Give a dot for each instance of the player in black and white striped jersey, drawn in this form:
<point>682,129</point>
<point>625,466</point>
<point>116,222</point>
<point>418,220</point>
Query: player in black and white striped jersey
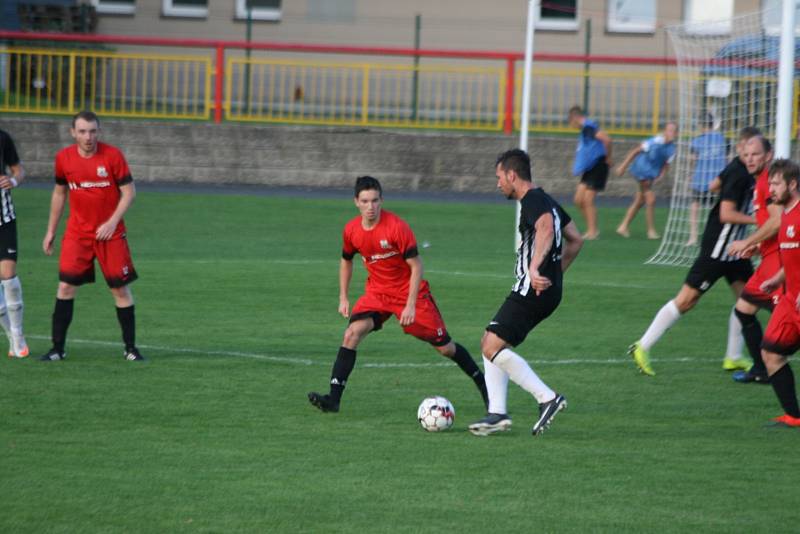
<point>11,307</point>
<point>727,222</point>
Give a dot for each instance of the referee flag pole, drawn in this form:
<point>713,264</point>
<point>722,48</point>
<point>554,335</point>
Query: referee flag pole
<point>533,6</point>
<point>783,127</point>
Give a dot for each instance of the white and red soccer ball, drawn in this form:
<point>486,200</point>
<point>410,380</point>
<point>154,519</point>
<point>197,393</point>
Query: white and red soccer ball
<point>436,414</point>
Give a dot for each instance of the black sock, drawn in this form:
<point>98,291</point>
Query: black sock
<point>471,369</point>
<point>783,384</point>
<point>127,321</point>
<point>62,316</point>
<point>751,330</point>
<point>342,367</point>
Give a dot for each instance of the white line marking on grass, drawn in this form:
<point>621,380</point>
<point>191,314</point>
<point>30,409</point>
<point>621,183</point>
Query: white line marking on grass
<point>370,365</point>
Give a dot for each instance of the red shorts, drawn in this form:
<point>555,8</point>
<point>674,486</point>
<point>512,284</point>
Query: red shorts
<point>752,293</point>
<point>783,331</point>
<point>428,324</point>
<point>76,263</point>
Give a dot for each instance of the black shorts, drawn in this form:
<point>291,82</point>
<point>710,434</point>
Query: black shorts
<point>519,315</point>
<point>8,241</point>
<point>706,271</point>
<point>596,177</point>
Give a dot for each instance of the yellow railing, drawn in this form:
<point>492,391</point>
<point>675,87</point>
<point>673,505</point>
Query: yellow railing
<point>435,95</point>
<point>122,85</point>
<point>364,94</point>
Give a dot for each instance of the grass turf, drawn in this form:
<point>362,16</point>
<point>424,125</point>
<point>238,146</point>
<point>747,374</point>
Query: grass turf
<point>236,311</point>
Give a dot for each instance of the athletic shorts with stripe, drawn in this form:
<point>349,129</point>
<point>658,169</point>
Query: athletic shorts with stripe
<point>705,272</point>
<point>752,293</point>
<point>76,263</point>
<point>783,331</point>
<point>428,324</point>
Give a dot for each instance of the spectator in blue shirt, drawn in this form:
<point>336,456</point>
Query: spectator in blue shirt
<point>651,159</point>
<point>710,155</point>
<point>592,160</point>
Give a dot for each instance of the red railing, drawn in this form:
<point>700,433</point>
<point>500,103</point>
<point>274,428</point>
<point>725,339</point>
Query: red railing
<point>510,58</point>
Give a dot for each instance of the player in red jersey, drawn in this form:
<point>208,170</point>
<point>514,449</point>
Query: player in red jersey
<point>756,156</point>
<point>394,287</point>
<point>782,338</point>
<point>101,190</point>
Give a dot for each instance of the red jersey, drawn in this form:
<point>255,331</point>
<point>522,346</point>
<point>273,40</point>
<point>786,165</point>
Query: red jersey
<point>93,187</point>
<point>761,199</point>
<point>384,249</point>
<point>789,239</point>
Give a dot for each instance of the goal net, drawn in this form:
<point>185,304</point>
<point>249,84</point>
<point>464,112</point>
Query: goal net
<point>728,79</point>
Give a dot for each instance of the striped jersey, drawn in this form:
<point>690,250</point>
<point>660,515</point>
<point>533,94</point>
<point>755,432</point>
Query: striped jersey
<point>737,187</point>
<point>533,205</point>
<point>8,157</point>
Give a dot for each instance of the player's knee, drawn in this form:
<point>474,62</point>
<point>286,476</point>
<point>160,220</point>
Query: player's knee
<point>66,291</point>
<point>745,314</point>
<point>490,344</point>
<point>772,361</point>
<point>354,333</point>
<point>448,351</point>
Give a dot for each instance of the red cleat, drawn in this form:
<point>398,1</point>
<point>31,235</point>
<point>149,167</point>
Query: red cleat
<point>787,420</point>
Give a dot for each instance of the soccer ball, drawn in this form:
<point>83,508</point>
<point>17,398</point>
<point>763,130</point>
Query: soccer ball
<point>436,414</point>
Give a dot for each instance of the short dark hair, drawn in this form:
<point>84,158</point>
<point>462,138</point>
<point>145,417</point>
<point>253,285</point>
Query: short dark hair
<point>788,169</point>
<point>366,183</point>
<point>576,110</point>
<point>88,116</point>
<point>708,121</point>
<point>747,132</point>
<point>765,144</point>
<point>516,160</point>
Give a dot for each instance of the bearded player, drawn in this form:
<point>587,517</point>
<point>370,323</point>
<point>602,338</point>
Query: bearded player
<point>394,287</point>
<point>96,177</point>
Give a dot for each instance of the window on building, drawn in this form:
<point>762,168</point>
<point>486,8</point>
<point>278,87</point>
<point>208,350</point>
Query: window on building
<point>260,9</point>
<point>557,15</point>
<point>712,17</point>
<point>185,8</point>
<point>772,16</point>
<point>118,7</point>
<point>635,16</point>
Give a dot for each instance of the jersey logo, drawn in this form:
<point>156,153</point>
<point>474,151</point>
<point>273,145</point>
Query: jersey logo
<point>102,172</point>
<point>385,244</point>
<point>790,231</point>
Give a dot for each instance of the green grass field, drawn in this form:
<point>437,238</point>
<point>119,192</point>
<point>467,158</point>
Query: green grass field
<point>236,310</point>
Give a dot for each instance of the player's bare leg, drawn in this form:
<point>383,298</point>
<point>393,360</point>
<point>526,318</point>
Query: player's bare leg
<point>590,212</point>
<point>650,209</point>
<point>464,360</point>
<point>633,209</point>
<point>62,317</point>
<point>343,366</point>
<point>123,300</point>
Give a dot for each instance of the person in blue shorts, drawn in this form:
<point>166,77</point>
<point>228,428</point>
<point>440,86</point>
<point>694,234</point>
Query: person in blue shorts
<point>710,156</point>
<point>592,160</point>
<point>650,161</point>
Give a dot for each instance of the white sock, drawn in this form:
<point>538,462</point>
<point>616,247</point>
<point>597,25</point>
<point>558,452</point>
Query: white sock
<point>496,386</point>
<point>13,293</point>
<point>667,316</point>
<point>521,373</point>
<point>735,338</point>
<point>4,315</point>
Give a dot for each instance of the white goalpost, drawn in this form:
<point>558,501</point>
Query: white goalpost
<point>732,73</point>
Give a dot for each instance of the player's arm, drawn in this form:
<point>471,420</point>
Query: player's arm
<point>345,275</point>
<point>606,140</point>
<point>542,244</point>
<point>9,181</point>
<point>126,197</point>
<point>622,167</point>
<point>729,215</point>
<point>715,185</point>
<point>57,202</point>
<point>771,284</point>
<point>573,241</point>
<point>745,247</point>
<point>414,281</point>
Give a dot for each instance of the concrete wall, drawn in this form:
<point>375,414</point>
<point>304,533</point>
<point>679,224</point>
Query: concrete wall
<point>207,153</point>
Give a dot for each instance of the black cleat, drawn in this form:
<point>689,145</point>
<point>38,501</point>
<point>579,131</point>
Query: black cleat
<point>747,377</point>
<point>53,355</point>
<point>132,355</point>
<point>547,411</point>
<point>493,422</point>
<point>323,402</point>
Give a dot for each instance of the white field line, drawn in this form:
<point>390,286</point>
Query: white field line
<point>373,365</point>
